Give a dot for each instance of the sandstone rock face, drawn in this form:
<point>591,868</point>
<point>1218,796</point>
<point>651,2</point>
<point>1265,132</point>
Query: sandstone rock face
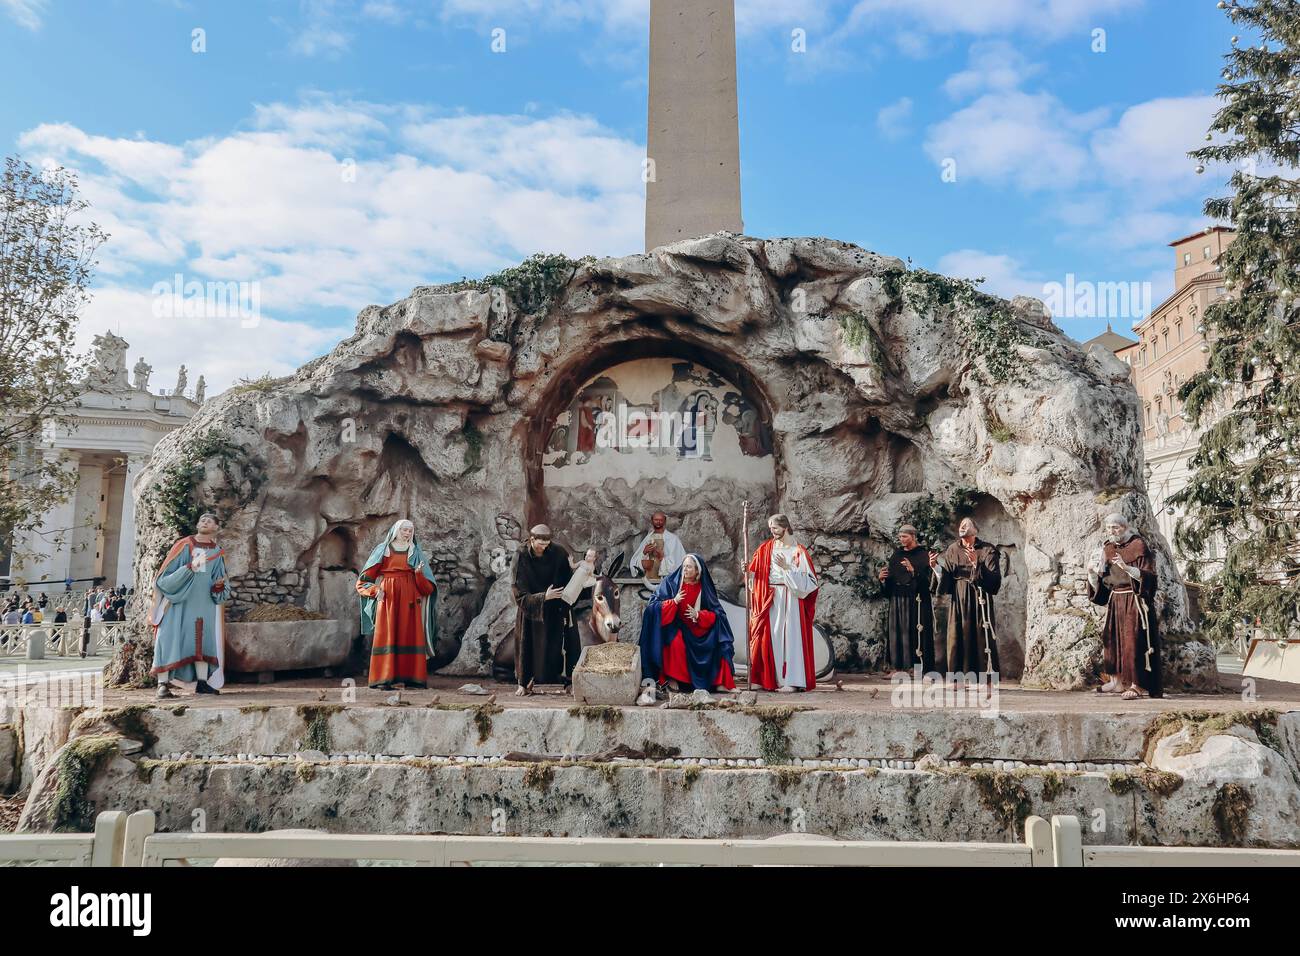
<point>877,386</point>
<point>8,758</point>
<point>1249,790</point>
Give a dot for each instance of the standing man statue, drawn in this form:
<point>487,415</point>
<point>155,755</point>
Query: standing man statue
<point>187,616</point>
<point>970,572</point>
<point>546,636</point>
<point>200,391</point>
<point>781,607</point>
<point>660,552</point>
<point>1122,578</point>
<point>182,379</point>
<point>142,372</point>
<point>910,639</point>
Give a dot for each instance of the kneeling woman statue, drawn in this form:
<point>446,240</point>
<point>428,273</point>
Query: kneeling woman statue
<point>398,603</point>
<point>686,639</point>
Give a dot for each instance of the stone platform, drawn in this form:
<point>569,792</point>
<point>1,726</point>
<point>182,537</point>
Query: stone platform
<point>850,763</point>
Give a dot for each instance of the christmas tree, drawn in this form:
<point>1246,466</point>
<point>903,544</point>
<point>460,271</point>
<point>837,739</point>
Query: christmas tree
<point>1244,493</point>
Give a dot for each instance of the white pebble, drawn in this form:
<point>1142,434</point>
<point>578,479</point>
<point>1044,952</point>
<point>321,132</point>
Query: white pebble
<point>760,762</point>
<point>1071,766</point>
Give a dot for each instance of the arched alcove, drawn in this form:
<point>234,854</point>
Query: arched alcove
<point>652,426</point>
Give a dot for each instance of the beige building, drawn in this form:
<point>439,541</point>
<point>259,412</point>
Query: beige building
<point>106,440</point>
<point>1171,347</point>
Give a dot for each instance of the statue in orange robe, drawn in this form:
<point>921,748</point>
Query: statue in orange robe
<point>398,606</point>
<point>782,601</point>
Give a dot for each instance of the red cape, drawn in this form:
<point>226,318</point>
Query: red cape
<point>762,666</point>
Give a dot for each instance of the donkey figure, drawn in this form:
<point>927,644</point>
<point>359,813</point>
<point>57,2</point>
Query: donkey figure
<point>598,623</point>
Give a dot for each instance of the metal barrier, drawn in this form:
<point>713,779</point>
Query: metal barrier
<point>130,841</point>
<point>62,640</point>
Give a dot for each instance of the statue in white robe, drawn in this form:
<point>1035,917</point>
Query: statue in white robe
<point>660,552</point>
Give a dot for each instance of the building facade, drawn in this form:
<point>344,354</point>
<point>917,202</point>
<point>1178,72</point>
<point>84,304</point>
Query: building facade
<point>106,440</point>
<point>1170,348</point>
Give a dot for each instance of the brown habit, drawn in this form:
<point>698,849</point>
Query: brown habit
<point>546,636</point>
<point>972,625</point>
<point>1130,630</point>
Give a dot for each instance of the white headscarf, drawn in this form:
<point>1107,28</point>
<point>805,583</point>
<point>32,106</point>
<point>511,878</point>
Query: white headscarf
<point>392,536</point>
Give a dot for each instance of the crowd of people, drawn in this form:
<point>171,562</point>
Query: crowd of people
<point>100,604</point>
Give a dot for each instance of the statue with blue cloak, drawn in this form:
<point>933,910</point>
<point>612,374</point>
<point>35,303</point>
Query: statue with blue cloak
<point>399,604</point>
<point>686,640</point>
<point>187,617</point>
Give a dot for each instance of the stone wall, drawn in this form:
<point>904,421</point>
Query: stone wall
<point>882,386</point>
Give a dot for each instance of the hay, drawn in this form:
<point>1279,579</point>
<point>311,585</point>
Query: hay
<point>611,658</point>
<point>267,613</point>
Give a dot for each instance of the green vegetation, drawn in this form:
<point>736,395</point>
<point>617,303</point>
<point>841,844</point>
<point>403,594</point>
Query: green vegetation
<point>988,328</point>
<point>532,285</point>
<point>174,494</point>
<point>79,761</point>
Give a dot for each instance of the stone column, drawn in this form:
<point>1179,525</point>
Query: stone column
<point>126,532</point>
<point>49,549</point>
<point>693,136</point>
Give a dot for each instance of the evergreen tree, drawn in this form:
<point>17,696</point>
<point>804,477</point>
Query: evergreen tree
<point>1244,494</point>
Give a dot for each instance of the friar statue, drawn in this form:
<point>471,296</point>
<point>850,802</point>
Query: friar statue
<point>1122,578</point>
<point>188,617</point>
<point>546,635</point>
<point>910,638</point>
<point>970,572</point>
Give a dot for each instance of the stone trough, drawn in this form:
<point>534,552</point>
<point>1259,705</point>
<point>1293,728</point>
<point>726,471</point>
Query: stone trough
<point>264,647</point>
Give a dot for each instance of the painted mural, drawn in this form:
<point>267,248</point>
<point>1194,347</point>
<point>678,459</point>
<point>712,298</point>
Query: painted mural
<point>657,418</point>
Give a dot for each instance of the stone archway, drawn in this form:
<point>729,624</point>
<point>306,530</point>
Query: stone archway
<point>649,426</point>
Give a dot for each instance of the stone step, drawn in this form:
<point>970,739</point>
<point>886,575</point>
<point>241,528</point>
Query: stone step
<point>778,735</point>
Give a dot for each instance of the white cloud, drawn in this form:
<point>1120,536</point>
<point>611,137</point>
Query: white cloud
<point>1147,148</point>
<point>336,205</point>
<point>219,349</point>
<point>1042,18</point>
<point>1031,140</point>
<point>893,119</point>
<point>634,15</point>
<point>26,13</point>
<point>994,65</point>
<point>1002,274</point>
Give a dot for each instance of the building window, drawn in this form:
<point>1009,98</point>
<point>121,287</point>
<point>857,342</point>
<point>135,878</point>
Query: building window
<point>1187,258</point>
<point>1178,327</point>
<point>1207,252</point>
<point>1148,415</point>
<point>1142,357</point>
<point>1166,335</point>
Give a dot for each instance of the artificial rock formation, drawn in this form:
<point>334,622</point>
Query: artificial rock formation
<point>881,386</point>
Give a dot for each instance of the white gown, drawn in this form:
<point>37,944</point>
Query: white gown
<point>795,583</point>
<point>674,553</point>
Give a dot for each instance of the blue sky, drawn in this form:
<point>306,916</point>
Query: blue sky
<point>340,152</point>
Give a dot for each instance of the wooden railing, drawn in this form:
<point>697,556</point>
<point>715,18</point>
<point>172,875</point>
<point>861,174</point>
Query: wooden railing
<point>131,841</point>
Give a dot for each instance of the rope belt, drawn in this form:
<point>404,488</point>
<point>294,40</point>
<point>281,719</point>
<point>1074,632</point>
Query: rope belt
<point>919,642</point>
<point>982,604</point>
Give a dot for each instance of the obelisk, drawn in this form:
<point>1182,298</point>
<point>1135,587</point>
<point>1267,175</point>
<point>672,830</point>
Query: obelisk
<point>693,136</point>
